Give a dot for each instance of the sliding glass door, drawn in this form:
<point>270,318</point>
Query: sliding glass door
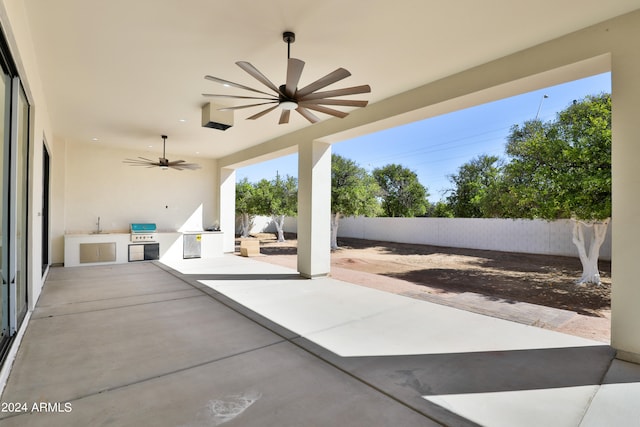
<point>14,173</point>
<point>21,188</point>
<point>5,116</point>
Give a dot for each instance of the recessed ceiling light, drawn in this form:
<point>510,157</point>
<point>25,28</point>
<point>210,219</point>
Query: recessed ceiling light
<point>95,139</point>
<point>182,120</point>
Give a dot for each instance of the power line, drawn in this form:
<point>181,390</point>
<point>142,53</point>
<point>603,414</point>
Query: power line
<point>450,145</point>
<point>540,105</point>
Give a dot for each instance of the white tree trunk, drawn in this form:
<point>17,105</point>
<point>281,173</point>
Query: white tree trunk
<point>245,226</point>
<point>589,258</point>
<point>279,221</point>
<point>335,219</point>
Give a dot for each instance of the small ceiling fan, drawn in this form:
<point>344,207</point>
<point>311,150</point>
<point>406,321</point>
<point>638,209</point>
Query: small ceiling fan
<point>163,162</point>
<point>288,97</point>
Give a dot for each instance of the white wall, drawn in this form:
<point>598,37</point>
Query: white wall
<point>625,129</point>
<point>259,224</point>
<point>92,181</point>
<point>99,184</point>
<point>507,235</point>
<point>16,29</point>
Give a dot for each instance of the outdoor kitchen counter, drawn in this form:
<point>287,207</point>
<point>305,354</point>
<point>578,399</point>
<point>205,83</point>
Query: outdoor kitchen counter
<point>170,245</point>
<point>72,244</point>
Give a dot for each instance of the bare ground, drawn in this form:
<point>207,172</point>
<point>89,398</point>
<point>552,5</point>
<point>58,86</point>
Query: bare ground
<point>490,279</point>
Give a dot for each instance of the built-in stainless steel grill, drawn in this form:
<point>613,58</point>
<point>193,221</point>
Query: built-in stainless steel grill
<point>143,232</point>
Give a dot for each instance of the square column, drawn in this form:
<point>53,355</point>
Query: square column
<point>625,127</point>
<point>227,208</point>
<point>314,209</point>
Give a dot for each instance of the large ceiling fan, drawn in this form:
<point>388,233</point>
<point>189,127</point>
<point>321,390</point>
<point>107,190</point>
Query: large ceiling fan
<point>288,97</point>
<point>163,162</point>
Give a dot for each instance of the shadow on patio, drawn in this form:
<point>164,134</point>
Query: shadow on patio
<point>138,344</point>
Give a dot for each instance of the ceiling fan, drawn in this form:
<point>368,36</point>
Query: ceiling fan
<point>288,97</point>
<point>163,162</point>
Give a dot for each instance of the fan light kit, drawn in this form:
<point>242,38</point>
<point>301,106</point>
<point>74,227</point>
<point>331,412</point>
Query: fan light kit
<point>288,97</point>
<point>163,162</point>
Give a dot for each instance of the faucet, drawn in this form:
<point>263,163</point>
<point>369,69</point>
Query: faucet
<point>98,224</point>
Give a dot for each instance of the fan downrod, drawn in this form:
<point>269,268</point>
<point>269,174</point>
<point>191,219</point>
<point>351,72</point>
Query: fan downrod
<point>288,37</point>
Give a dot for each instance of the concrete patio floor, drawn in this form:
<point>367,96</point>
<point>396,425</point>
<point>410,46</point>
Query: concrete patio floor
<point>236,342</point>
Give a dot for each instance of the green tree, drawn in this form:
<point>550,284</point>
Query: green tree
<point>402,193</point>
<point>277,198</point>
<point>353,192</point>
<point>440,209</point>
<point>245,202</point>
<point>562,169</point>
<point>472,183</point>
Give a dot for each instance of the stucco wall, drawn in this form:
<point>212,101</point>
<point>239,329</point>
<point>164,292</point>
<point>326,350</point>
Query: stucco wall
<point>99,184</point>
<point>259,224</point>
<point>508,235</point>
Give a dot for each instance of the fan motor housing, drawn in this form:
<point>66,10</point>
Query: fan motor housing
<point>216,119</point>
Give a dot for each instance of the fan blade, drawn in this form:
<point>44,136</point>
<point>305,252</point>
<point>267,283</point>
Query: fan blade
<point>135,162</point>
<point>183,166</point>
<point>338,92</point>
<point>253,71</point>
<point>326,110</point>
<point>294,71</point>
<point>330,78</point>
<point>144,164</point>
<point>262,113</point>
<point>240,107</point>
<point>237,85</point>
<point>307,114</point>
<point>343,102</point>
<point>284,117</point>
<point>215,95</point>
<point>145,159</point>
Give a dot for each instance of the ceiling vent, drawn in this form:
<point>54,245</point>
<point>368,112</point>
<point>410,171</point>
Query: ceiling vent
<point>213,118</point>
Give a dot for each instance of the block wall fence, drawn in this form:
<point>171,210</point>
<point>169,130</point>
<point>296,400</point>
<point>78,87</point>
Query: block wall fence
<point>506,235</point>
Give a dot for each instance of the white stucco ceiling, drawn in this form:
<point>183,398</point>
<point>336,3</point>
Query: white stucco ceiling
<point>126,71</point>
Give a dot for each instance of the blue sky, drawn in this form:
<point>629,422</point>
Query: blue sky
<point>435,148</point>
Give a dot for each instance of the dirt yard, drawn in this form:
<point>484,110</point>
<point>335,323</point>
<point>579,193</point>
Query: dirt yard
<point>497,276</point>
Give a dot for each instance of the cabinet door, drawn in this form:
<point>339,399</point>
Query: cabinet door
<point>89,253</point>
<point>97,252</point>
<point>136,252</point>
<point>107,252</point>
<point>152,251</point>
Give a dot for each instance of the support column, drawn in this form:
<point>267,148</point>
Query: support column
<point>314,209</point>
<point>625,293</point>
<point>227,207</point>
